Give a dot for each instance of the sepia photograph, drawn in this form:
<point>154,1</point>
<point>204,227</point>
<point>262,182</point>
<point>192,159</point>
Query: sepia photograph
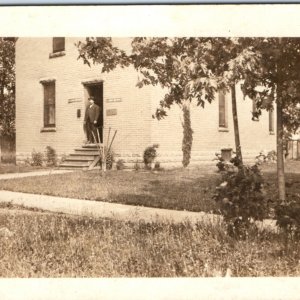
<point>134,152</point>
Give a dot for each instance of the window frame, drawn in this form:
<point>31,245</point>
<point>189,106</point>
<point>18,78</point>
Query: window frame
<point>46,105</point>
<point>56,41</point>
<point>223,111</point>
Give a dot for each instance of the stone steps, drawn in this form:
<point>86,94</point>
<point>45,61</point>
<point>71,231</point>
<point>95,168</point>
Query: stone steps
<point>82,157</point>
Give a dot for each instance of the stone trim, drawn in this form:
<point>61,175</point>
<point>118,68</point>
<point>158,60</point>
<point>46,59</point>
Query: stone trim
<point>57,54</point>
<point>48,129</point>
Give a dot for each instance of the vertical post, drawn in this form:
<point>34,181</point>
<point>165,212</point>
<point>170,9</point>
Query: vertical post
<point>236,125</point>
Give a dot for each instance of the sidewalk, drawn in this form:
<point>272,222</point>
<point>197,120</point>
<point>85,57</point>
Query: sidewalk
<point>114,210</point>
<point>104,209</point>
<point>34,173</point>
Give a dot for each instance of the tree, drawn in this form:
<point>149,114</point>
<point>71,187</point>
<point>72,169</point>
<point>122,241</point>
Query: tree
<point>278,75</point>
<point>178,65</point>
<point>7,86</point>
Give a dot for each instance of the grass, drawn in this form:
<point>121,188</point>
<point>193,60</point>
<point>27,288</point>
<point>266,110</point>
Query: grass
<point>174,189</point>
<point>179,189</point>
<point>13,168</point>
<point>43,244</point>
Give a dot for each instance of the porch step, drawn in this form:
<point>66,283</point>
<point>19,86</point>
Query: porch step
<point>82,157</point>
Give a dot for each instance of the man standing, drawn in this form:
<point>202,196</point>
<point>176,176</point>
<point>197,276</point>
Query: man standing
<point>90,120</point>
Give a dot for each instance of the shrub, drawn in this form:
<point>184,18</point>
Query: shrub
<point>241,199</point>
<point>136,166</point>
<point>288,216</point>
<point>37,158</point>
<point>150,154</point>
<point>120,164</point>
<point>51,156</point>
<point>266,157</point>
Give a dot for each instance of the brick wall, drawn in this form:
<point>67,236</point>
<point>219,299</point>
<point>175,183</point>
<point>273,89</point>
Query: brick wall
<point>208,138</point>
<point>33,64</point>
<point>134,124</point>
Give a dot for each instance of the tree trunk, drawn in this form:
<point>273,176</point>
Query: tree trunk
<point>187,139</point>
<point>279,130</point>
<point>236,126</point>
<point>279,141</point>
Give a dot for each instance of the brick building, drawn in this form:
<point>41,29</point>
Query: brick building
<point>52,88</point>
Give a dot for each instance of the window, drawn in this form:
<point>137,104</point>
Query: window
<point>223,123</point>
<point>58,44</point>
<point>49,104</point>
<point>271,121</point>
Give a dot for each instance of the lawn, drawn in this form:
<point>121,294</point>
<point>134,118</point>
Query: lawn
<point>41,244</point>
<point>13,168</point>
<point>180,189</point>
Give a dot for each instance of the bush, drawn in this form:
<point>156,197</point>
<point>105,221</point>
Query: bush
<point>288,216</point>
<point>37,158</point>
<point>241,198</point>
<point>120,164</point>
<point>51,156</point>
<point>136,166</point>
<point>150,154</point>
<point>266,157</point>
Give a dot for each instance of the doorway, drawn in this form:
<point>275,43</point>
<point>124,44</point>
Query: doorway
<point>95,90</point>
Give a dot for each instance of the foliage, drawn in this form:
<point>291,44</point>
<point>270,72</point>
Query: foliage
<point>7,86</point>
<point>241,198</point>
<point>120,165</point>
<point>110,158</point>
<point>37,158</point>
<point>288,216</point>
<point>136,166</point>
<point>51,156</point>
<point>149,155</point>
<point>266,157</point>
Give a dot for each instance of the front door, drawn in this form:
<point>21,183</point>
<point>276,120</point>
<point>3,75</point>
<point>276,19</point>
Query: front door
<point>96,91</point>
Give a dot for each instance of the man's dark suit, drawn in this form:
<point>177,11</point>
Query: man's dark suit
<point>91,118</point>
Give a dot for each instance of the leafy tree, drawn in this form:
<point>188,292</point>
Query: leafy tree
<point>178,65</point>
<point>278,77</point>
<point>7,86</point>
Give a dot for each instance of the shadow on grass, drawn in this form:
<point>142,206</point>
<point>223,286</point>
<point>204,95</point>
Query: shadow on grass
<point>193,195</point>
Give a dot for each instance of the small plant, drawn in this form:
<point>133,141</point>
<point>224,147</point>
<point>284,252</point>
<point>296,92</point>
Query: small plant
<point>288,216</point>
<point>266,157</point>
<point>157,166</point>
<point>37,158</point>
<point>51,156</point>
<point>120,164</point>
<point>110,158</point>
<point>136,166</point>
<point>150,154</point>
<point>241,199</point>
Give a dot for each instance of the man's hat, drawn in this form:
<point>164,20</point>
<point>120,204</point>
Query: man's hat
<point>92,98</point>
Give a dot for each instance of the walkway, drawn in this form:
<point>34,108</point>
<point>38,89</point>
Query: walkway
<point>30,174</point>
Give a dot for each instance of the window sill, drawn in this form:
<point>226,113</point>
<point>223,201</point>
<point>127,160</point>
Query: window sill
<point>57,54</point>
<point>48,129</point>
<point>223,129</point>
<point>272,133</point>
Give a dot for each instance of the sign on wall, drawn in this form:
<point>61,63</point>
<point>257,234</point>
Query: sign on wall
<point>113,100</point>
<point>111,112</point>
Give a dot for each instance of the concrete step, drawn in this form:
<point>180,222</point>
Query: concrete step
<point>86,152</point>
<point>79,157</point>
<point>76,164</point>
